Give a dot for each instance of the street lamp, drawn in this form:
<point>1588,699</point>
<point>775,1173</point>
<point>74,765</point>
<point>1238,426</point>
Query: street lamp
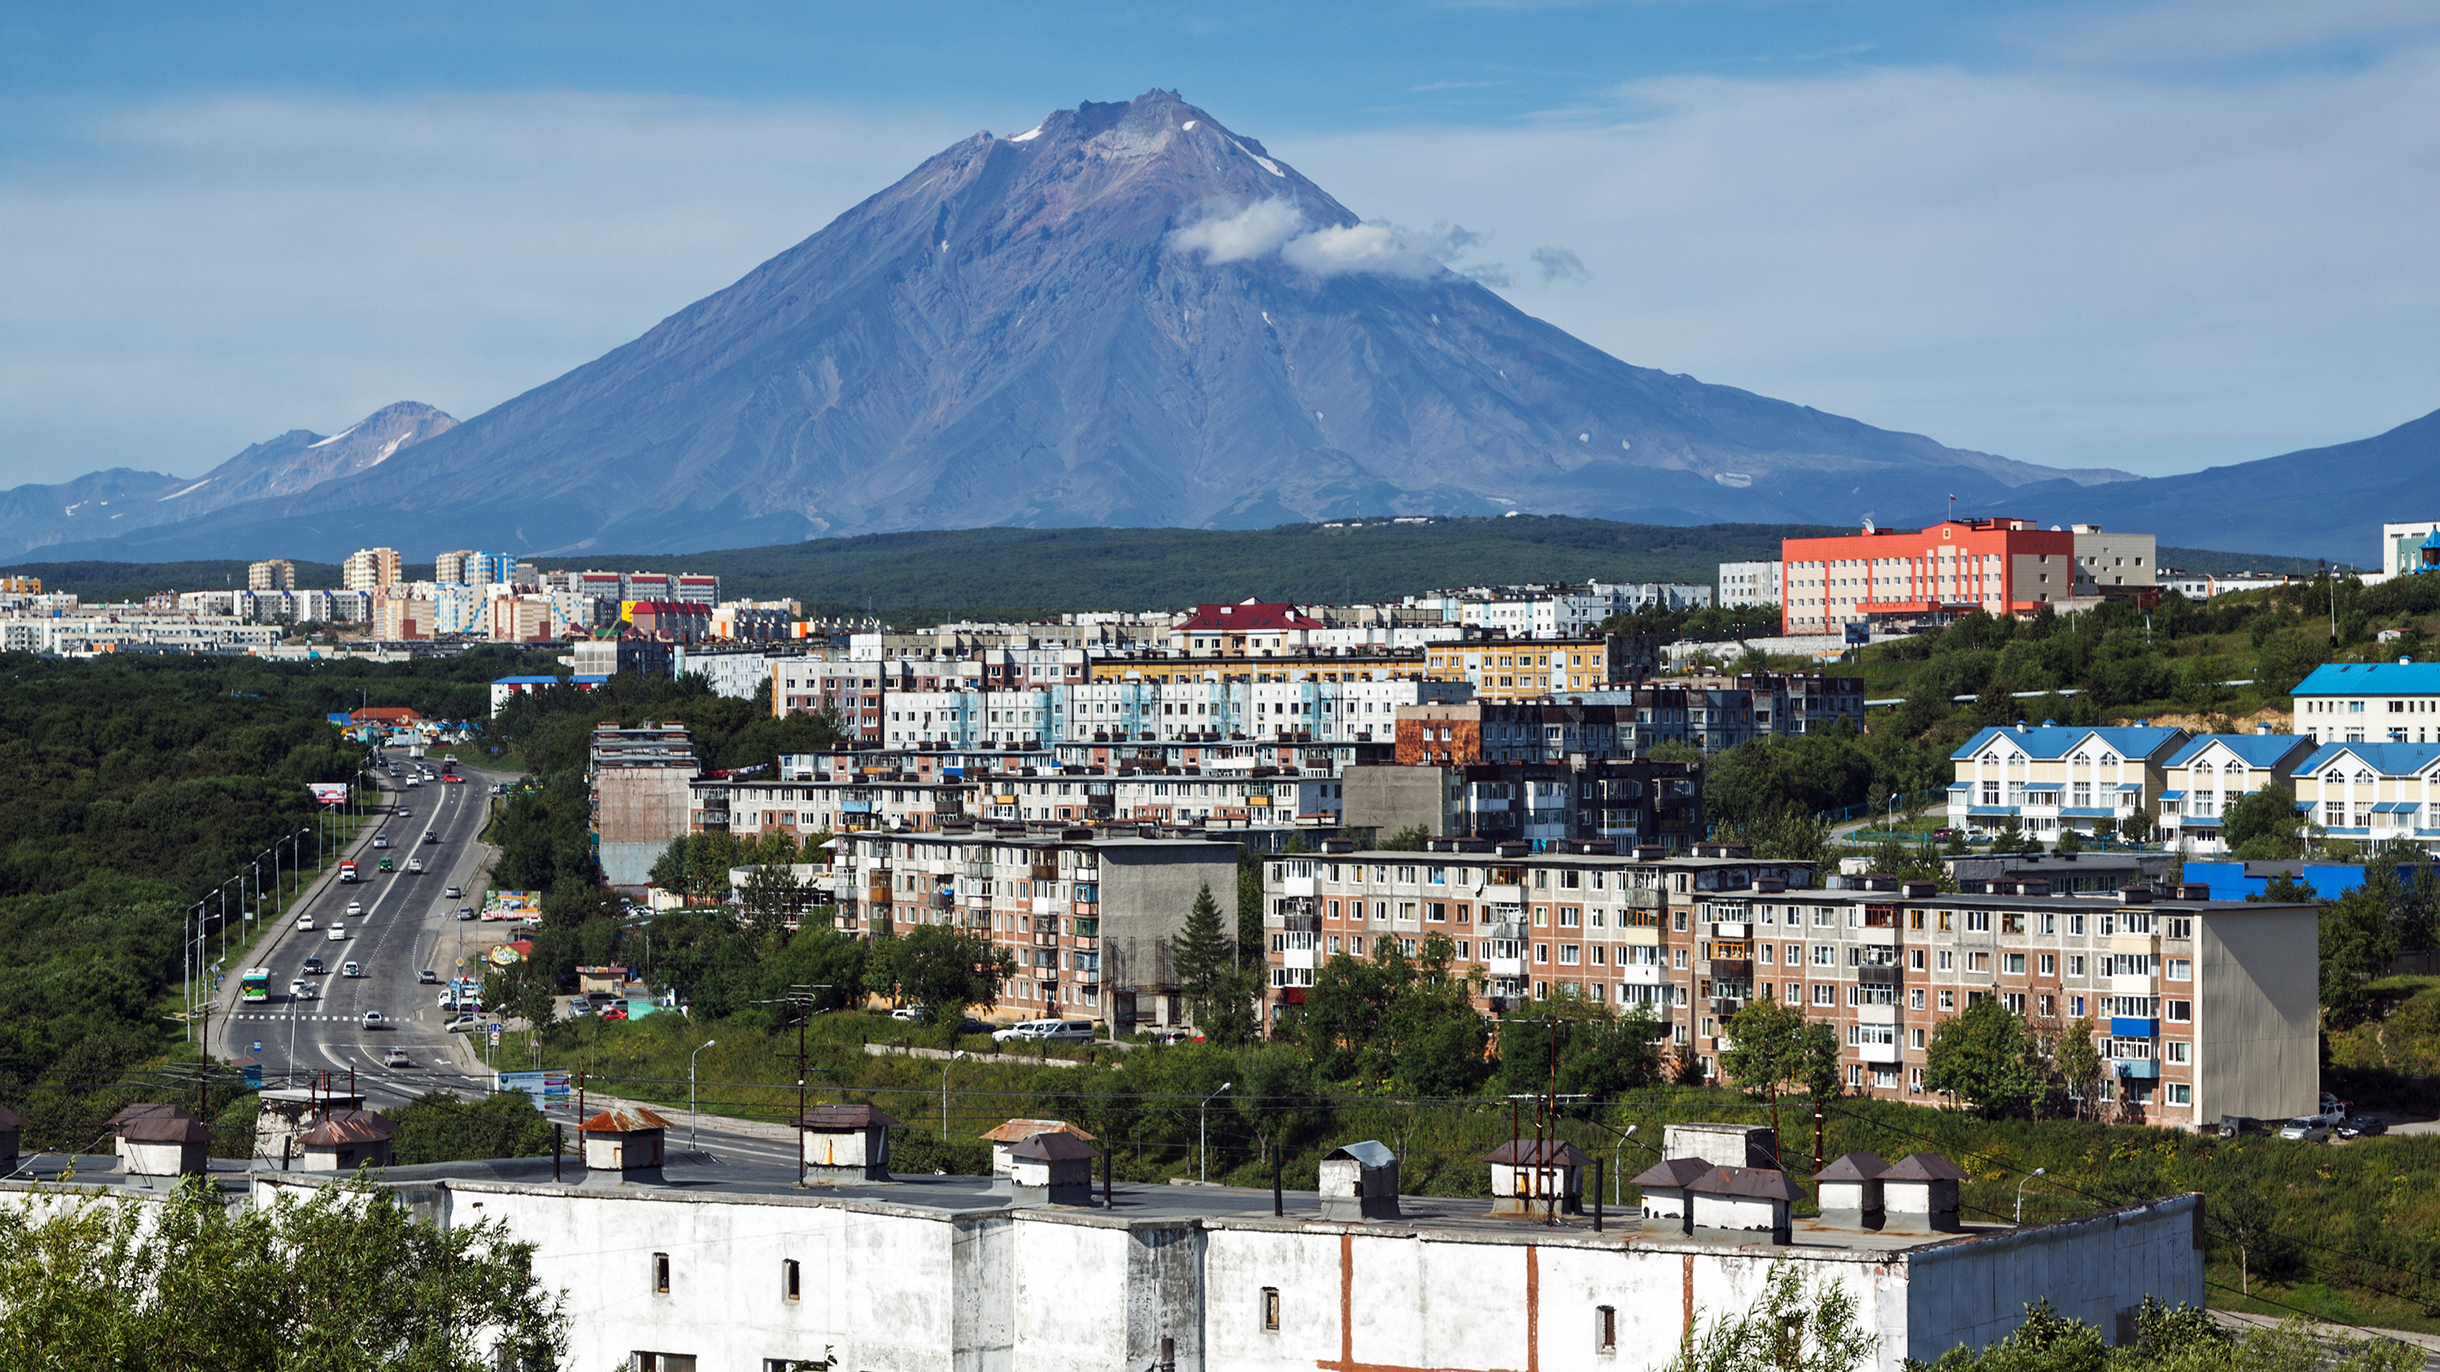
<point>958,1056</point>
<point>694,1116</point>
<point>2020,1192</point>
<point>1203,1138</point>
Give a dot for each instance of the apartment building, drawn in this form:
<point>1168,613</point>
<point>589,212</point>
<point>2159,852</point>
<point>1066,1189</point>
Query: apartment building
<point>2372,792</point>
<point>520,619</point>
<point>1926,576</point>
<point>2051,777</point>
<point>849,691</point>
<point>638,795</point>
<point>1156,711</point>
<point>1616,929</point>
<point>368,569</point>
<point>1623,804</point>
<point>1248,628</point>
<point>1090,917</point>
<point>1752,583</point>
<point>468,567</point>
<point>2115,564</point>
<point>749,808</point>
<point>277,574</point>
<point>1470,733</point>
<point>1529,669</point>
<point>1313,664</point>
<point>2370,702</point>
<point>404,614</point>
<point>2203,1008</point>
<point>2210,773</point>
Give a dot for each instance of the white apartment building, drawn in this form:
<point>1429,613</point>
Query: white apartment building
<point>2202,779</point>
<point>1752,583</point>
<point>2047,778</point>
<point>2372,792</point>
<point>1156,711</point>
<point>2370,702</point>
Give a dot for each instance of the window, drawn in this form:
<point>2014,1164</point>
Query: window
<point>1605,1329</point>
<point>2181,969</point>
<point>660,1274</point>
<point>1914,999</point>
<point>1270,1309</point>
<point>666,1362</point>
<point>2013,963</point>
<point>1978,921</point>
<point>2180,1093</point>
<point>2180,1011</point>
<point>1914,1039</point>
<point>2014,1001</point>
<point>1948,1000</point>
<point>1914,959</point>
<point>789,1288</point>
<point>1541,952</point>
<point>1948,960</point>
<point>2075,964</point>
<point>1825,994</point>
<point>2050,964</point>
<point>2180,1051</point>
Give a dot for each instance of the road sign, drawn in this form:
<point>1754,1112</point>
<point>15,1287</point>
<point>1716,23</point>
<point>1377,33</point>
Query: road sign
<point>258,1046</point>
<point>495,1035</point>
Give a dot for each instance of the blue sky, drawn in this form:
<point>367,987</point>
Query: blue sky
<point>2155,236</point>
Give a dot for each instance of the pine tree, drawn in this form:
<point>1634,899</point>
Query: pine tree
<point>1201,952</point>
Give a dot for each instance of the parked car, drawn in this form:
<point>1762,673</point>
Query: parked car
<point>428,977</point>
<point>613,1013</point>
<point>2305,1129</point>
<point>2333,1109</point>
<point>1172,1037</point>
<point>912,1014</point>
<point>1048,1030</point>
<point>465,912</point>
<point>463,1024</point>
<point>396,1057</point>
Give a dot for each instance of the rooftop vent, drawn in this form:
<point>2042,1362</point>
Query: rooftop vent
<point>1531,1175</point>
<point>344,1140</point>
<point>622,1146</point>
<point>1919,889</point>
<point>846,1143</point>
<point>1754,1199</point>
<point>1919,1195</point>
<point>1360,1182</point>
<point>1850,1190</point>
<point>2135,895</point>
<point>1663,1187</point>
<point>1052,1169</point>
<point>1009,1135</point>
<point>161,1141</point>
<point>1721,1145</point>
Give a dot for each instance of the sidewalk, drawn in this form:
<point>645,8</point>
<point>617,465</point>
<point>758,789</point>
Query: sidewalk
<point>2429,1343</point>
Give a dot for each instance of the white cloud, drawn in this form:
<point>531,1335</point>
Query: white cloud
<point>2055,266</point>
<point>1223,235</point>
<point>1377,248</point>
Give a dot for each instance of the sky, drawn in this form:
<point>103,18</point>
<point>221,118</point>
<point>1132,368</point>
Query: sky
<point>2154,235</point>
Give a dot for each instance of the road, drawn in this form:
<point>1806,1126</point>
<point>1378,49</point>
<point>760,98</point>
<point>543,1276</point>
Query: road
<point>408,925</point>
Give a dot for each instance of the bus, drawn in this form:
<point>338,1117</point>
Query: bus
<point>255,983</point>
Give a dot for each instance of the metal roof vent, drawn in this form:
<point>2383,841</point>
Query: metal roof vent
<point>1360,1182</point>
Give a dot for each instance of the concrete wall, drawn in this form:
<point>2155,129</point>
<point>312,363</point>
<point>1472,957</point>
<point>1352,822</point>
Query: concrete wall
<point>1145,895</point>
<point>1393,798</point>
<point>637,811</point>
<point>1974,1291</point>
<point>2257,1001</point>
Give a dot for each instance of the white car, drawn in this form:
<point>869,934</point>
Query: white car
<point>301,989</point>
<point>2306,1129</point>
<point>1048,1030</point>
<point>351,969</point>
<point>337,932</point>
<point>304,921</point>
<point>355,909</point>
<point>372,1019</point>
<point>396,1057</point>
<point>452,893</point>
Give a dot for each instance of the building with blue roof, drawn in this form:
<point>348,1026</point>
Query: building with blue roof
<point>2370,702</point>
<point>2202,779</point>
<point>2049,778</point>
<point>2371,792</point>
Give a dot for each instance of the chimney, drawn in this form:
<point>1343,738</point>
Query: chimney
<point>1919,1195</point>
<point>622,1146</point>
<point>1052,1169</point>
<point>1360,1182</point>
<point>1850,1190</point>
<point>161,1141</point>
<point>846,1143</point>
<point>1527,1176</point>
<point>1751,1199</point>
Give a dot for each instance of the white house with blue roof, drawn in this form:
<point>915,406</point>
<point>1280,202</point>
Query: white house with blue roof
<point>2202,779</point>
<point>2372,792</point>
<point>2370,702</point>
<point>2052,777</point>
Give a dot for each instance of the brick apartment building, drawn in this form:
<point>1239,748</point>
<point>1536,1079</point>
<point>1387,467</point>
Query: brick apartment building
<point>1617,803</point>
<point>1089,916</point>
<point>2204,1007</point>
<point>1527,669</point>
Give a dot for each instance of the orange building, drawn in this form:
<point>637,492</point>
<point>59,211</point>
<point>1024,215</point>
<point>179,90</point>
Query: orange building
<point>1999,566</point>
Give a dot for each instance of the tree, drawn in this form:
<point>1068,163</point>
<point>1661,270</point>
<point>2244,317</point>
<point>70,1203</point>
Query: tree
<point>1984,1058</point>
<point>346,1279</point>
<point>2079,1064</point>
<point>438,1127</point>
<point>771,896</point>
<point>1768,1048</point>
<point>1414,838</point>
<point>2011,838</point>
<point>2358,941</point>
<point>1794,1327</point>
<point>2070,839</point>
<point>944,969</point>
<point>2249,1221</point>
<point>1201,952</point>
<point>2266,819</point>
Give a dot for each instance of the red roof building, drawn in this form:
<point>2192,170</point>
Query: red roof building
<point>1248,628</point>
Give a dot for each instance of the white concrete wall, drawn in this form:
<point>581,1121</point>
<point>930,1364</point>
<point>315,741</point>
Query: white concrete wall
<point>1974,1291</point>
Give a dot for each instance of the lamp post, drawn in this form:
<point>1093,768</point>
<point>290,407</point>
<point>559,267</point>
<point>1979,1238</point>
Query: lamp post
<point>1203,1138</point>
<point>2020,1191</point>
<point>958,1056</point>
<point>694,1115</point>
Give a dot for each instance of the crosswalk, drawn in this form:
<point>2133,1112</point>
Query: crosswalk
<point>309,1019</point>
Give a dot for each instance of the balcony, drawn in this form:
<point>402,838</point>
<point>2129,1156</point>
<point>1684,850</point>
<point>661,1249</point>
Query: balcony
<point>1877,1052</point>
<point>2123,1027</point>
<point>1643,897</point>
<point>1724,929</point>
<point>1644,974</point>
<point>2141,1068</point>
<point>1301,923</point>
<point>1303,959</point>
<point>1504,967</point>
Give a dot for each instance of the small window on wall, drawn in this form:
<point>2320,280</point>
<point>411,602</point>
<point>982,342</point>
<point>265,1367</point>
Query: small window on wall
<point>1270,1308</point>
<point>790,1287</point>
<point>660,1274</point>
<point>1605,1329</point>
<point>664,1362</point>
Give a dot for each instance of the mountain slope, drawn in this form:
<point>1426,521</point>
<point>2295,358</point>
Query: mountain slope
<point>2317,502</point>
<point>109,504</point>
<point>1129,315</point>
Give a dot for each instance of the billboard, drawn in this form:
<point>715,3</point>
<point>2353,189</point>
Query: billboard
<point>547,1088</point>
<point>329,792</point>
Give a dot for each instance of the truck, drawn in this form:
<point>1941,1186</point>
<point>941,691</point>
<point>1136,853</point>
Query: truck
<point>347,872</point>
<point>385,862</point>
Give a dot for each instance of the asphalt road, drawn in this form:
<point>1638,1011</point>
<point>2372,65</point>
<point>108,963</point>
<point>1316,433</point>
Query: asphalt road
<point>407,925</point>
